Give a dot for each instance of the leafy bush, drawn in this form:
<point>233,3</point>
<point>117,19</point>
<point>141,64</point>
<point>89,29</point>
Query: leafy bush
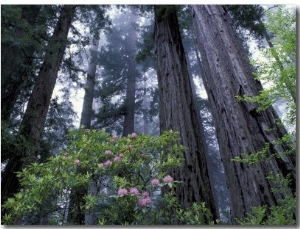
<point>125,177</point>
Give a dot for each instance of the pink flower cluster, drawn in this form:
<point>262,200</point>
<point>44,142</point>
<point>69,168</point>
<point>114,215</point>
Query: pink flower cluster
<point>143,200</point>
<point>133,135</point>
<point>108,163</point>
<point>155,182</point>
<point>107,152</point>
<point>134,191</point>
<point>116,158</point>
<point>145,194</point>
<point>166,179</point>
<point>114,138</point>
<point>122,192</point>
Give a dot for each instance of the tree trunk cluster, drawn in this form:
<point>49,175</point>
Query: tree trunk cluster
<point>239,127</point>
<point>177,111</point>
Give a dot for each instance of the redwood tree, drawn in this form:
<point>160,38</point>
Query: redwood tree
<point>177,111</point>
<point>132,73</point>
<point>240,128</point>
<point>32,126</point>
<point>87,108</point>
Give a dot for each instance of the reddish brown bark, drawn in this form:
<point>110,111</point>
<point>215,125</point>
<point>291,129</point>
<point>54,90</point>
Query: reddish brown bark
<point>239,127</point>
<point>177,111</point>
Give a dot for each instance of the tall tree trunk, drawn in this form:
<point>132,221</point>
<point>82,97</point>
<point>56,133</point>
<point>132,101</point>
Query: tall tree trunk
<point>177,111</point>
<point>76,214</point>
<point>34,118</point>
<point>239,127</point>
<point>87,109</point>
<point>16,63</point>
<point>146,107</point>
<point>128,126</point>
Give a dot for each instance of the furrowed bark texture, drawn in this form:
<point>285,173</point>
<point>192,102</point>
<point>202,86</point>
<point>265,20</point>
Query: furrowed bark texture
<point>239,128</point>
<point>177,112</point>
<point>34,118</point>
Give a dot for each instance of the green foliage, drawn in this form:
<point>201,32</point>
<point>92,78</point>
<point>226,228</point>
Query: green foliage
<point>255,217</point>
<point>255,157</point>
<point>264,155</point>
<point>147,47</point>
<point>248,17</point>
<point>195,215</point>
<point>112,164</point>
<point>281,214</point>
<point>277,64</point>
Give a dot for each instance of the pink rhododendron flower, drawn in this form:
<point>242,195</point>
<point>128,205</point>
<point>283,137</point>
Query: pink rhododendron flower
<point>134,191</point>
<point>145,194</point>
<point>155,182</point>
<point>122,192</point>
<point>144,202</point>
<point>114,138</point>
<point>148,200</point>
<point>108,163</point>
<point>77,162</point>
<point>121,155</point>
<point>117,159</point>
<point>168,179</point>
<point>107,152</point>
<point>133,135</point>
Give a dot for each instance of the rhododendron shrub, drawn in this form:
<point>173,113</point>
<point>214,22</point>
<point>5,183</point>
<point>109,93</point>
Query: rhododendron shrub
<point>127,175</point>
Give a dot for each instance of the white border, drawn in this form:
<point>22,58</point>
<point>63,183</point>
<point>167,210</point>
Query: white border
<point>145,2</point>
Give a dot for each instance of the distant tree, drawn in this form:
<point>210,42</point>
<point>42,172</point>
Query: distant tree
<point>87,109</point>
<point>77,215</point>
<point>119,73</point>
